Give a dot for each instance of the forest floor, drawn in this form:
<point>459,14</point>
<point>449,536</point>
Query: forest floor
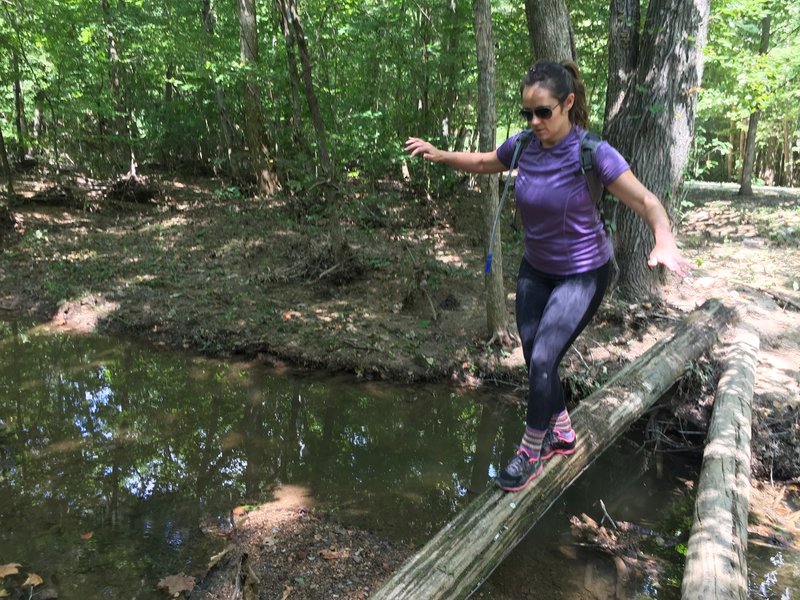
<point>199,267</point>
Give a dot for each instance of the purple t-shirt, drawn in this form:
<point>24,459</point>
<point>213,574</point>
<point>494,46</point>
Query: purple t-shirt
<point>563,230</point>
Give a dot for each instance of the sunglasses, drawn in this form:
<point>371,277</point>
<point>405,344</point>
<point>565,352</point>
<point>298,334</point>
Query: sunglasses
<point>543,112</point>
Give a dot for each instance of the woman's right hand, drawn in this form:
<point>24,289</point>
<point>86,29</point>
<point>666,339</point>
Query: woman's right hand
<point>425,149</point>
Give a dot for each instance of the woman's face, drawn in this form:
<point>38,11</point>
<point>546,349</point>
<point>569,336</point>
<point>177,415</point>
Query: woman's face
<point>549,129</point>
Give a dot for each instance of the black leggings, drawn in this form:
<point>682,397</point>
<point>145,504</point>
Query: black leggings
<point>551,311</point>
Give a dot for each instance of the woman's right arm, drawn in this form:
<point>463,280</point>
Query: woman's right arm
<point>483,163</point>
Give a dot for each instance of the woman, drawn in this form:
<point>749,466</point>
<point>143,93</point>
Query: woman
<point>565,265</point>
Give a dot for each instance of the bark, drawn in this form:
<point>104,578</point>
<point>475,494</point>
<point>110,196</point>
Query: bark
<point>655,125</point>
<point>253,115</point>
<point>746,184</point>
<point>549,29</point>
<point>716,559</point>
<point>466,550</point>
<point>496,313</point>
<point>623,55</point>
<point>229,137</point>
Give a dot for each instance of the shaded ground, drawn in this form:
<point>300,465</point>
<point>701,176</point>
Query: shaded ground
<point>199,267</point>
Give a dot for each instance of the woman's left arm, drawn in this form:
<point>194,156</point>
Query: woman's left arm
<point>644,203</point>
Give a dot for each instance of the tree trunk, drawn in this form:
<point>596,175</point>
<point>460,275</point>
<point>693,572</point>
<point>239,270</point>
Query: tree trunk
<point>294,77</point>
<point>342,253</point>
<point>229,137</point>
<point>9,177</point>
<point>788,164</point>
<point>253,114</point>
<point>623,55</point>
<point>655,125</point>
<point>114,83</point>
<point>496,313</point>
<point>716,558</point>
<point>466,550</point>
<point>451,75</point>
<point>19,109</point>
<point>746,184</point>
<point>549,29</point>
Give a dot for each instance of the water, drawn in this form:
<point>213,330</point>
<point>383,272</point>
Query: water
<point>113,456</point>
<point>116,459</point>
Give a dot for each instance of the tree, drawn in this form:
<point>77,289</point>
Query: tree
<point>654,126</point>
<point>746,187</point>
<point>253,110</point>
<point>496,313</point>
<point>8,176</point>
<point>121,123</point>
<point>291,20</point>
<point>624,43</point>
<point>229,137</point>
<point>549,29</point>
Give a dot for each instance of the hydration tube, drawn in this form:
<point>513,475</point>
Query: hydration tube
<point>521,142</point>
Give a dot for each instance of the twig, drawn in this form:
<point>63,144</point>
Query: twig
<point>328,271</point>
<point>606,515</point>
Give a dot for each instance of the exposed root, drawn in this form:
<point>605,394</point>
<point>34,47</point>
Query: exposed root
<point>132,188</point>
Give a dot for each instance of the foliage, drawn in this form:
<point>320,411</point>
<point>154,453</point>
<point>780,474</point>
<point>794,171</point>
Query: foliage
<point>382,70</point>
<point>738,81</point>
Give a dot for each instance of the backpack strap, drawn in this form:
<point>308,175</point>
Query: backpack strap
<point>522,140</point>
<point>589,144</point>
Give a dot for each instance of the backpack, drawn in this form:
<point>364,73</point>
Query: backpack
<point>588,149</point>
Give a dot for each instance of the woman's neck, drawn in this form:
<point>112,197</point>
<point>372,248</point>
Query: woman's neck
<point>557,139</point>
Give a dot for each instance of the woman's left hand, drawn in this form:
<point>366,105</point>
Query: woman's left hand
<point>669,256</point>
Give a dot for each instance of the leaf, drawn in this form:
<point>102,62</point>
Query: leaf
<point>9,569</point>
<point>33,580</point>
<point>4,593</point>
<point>335,554</point>
<point>175,584</point>
<point>87,536</point>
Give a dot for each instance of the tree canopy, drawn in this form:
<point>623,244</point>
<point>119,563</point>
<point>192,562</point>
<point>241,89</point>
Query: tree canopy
<point>91,74</point>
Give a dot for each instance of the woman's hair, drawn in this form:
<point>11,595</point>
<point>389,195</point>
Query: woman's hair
<point>561,80</point>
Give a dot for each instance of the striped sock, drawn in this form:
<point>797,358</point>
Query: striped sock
<point>562,426</point>
<point>532,442</point>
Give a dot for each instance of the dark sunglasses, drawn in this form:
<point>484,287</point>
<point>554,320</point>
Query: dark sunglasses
<point>543,112</point>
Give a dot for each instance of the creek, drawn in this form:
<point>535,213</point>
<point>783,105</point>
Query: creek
<point>118,459</point>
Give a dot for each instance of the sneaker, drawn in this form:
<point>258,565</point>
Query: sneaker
<point>519,472</point>
<point>553,444</point>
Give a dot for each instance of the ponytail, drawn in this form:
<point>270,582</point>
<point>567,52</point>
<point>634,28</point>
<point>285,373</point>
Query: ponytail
<point>579,113</point>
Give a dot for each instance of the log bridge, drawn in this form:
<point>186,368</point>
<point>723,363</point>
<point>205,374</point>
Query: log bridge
<point>464,553</point>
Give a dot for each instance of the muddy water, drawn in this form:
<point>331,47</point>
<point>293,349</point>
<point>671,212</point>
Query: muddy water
<point>120,464</point>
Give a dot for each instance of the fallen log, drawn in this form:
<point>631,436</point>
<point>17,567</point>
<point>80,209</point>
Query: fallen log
<point>716,558</point>
<point>466,550</point>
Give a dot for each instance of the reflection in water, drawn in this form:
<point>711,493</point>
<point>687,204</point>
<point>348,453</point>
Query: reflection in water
<point>113,456</point>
